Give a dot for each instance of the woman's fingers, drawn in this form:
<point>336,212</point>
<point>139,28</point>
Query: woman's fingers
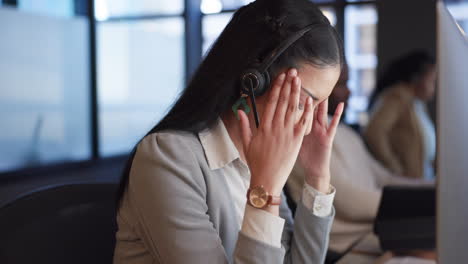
<point>246,131</point>
<point>283,100</point>
<point>322,113</point>
<point>336,120</point>
<point>309,127</point>
<point>306,118</point>
<point>293,102</point>
<point>316,119</point>
<point>270,109</point>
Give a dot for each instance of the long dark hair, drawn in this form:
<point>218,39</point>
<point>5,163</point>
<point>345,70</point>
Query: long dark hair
<point>407,68</point>
<point>253,32</point>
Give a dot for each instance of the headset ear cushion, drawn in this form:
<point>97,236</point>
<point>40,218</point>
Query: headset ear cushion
<point>266,83</point>
<point>254,77</point>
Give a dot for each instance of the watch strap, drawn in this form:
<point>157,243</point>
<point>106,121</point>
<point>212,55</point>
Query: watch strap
<point>274,200</point>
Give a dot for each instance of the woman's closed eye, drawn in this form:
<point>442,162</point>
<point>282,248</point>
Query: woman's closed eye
<point>303,98</point>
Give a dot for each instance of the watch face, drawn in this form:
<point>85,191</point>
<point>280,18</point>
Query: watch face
<point>258,197</point>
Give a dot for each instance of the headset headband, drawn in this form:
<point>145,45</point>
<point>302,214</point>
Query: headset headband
<point>283,46</point>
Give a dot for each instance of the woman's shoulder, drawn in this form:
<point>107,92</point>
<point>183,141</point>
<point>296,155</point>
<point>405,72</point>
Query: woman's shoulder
<point>395,99</point>
<point>398,92</point>
<point>174,144</point>
<point>175,137</point>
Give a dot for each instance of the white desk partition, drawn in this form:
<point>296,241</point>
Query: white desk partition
<point>452,119</point>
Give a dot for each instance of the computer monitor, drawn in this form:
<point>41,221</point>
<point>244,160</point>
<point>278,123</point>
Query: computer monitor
<point>452,141</point>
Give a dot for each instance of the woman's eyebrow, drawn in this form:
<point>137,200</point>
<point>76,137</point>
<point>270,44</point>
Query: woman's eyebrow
<point>309,94</point>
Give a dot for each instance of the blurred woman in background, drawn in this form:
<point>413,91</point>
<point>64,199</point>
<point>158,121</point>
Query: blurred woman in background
<point>400,132</point>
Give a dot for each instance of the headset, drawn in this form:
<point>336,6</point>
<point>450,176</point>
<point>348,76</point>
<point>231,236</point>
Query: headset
<point>255,81</point>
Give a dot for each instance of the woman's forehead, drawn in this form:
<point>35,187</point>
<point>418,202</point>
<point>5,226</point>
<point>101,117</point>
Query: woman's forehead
<point>318,82</point>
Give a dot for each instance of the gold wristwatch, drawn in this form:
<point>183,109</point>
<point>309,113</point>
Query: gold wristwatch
<point>258,197</point>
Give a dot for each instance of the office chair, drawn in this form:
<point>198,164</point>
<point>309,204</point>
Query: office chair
<point>60,224</point>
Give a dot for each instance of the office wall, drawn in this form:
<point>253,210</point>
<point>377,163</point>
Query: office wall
<point>403,26</point>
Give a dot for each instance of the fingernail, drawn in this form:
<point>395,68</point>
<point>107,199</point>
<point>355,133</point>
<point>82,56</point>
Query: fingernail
<point>292,72</point>
<point>309,100</point>
<point>282,76</point>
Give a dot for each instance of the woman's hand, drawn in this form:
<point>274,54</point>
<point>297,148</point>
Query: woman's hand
<point>273,150</point>
<point>316,149</point>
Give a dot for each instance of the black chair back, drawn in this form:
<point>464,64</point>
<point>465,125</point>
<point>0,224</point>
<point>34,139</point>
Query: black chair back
<point>60,224</point>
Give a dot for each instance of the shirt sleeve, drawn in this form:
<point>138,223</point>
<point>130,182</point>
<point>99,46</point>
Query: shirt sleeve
<point>318,203</point>
<point>268,228</point>
<point>262,226</point>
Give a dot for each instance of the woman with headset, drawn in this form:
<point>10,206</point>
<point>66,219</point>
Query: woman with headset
<point>205,184</point>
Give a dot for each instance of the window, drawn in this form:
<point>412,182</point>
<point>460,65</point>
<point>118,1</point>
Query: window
<point>212,27</point>
<point>118,8</point>
<point>63,8</point>
<point>140,73</point>
<point>142,63</point>
<point>360,49</point>
<point>45,85</point>
<point>216,6</point>
<point>330,13</point>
